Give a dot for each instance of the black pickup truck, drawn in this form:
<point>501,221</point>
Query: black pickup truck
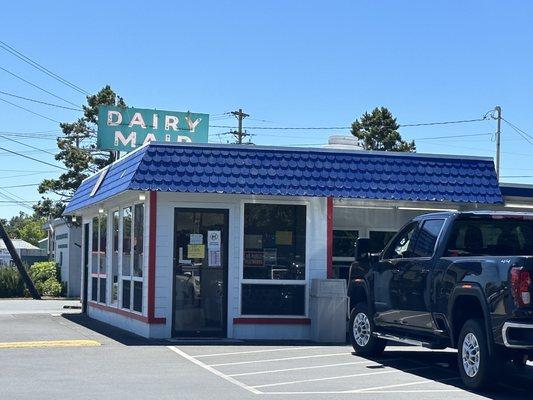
<point>449,279</point>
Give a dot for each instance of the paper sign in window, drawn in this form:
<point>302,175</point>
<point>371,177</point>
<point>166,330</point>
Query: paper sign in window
<point>283,238</point>
<point>214,241</point>
<point>195,251</point>
<point>196,238</point>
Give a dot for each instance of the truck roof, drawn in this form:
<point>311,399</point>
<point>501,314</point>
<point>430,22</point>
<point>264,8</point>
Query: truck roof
<point>479,213</point>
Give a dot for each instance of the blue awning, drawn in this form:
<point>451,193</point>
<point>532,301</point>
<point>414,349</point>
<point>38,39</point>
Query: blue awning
<point>258,170</point>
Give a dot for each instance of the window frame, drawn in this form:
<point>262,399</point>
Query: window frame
<point>98,275</point>
<point>276,282</point>
<point>132,278</point>
<point>420,226</point>
<point>395,238</point>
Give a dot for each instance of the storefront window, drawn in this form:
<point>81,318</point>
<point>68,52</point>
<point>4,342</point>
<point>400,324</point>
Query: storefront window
<point>274,251</point>
<point>98,259</point>
<point>274,242</point>
<point>114,259</point>
<point>132,257</point>
<point>344,242</point>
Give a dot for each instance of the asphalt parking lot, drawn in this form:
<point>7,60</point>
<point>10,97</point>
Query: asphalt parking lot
<point>48,355</point>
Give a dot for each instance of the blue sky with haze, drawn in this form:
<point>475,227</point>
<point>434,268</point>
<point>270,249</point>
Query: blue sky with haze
<point>286,63</point>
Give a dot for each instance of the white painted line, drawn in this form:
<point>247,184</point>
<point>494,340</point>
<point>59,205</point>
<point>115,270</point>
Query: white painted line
<point>214,371</point>
<point>313,367</point>
<point>373,392</point>
<point>394,371</point>
<point>281,359</point>
<point>379,388</point>
<point>256,351</point>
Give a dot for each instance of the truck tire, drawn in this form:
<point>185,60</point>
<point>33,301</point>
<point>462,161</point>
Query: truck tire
<point>361,327</point>
<point>478,369</point>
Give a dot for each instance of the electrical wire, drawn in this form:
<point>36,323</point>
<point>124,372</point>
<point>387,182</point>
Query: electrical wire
<point>33,159</point>
<point>38,66</point>
<point>521,132</point>
<point>30,111</point>
<point>40,102</point>
<point>29,145</point>
<point>19,186</point>
<point>38,87</point>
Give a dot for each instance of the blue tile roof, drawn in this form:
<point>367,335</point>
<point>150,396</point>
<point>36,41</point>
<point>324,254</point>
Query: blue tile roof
<point>209,168</point>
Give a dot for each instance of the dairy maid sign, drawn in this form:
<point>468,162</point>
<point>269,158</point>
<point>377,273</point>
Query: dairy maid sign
<point>125,129</point>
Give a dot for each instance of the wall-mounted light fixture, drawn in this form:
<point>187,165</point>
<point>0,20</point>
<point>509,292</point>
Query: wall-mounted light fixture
<point>73,218</point>
<point>142,197</point>
<point>101,210</point>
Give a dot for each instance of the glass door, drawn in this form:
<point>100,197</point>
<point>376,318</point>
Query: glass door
<point>200,272</point>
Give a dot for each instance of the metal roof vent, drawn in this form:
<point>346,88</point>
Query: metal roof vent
<point>343,142</point>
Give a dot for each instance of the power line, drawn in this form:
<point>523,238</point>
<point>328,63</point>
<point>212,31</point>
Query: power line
<point>38,66</point>
<point>19,186</point>
<point>38,87</point>
<point>40,102</point>
<point>323,128</point>
<point>33,159</point>
<point>521,132</point>
<point>29,145</point>
<point>30,111</point>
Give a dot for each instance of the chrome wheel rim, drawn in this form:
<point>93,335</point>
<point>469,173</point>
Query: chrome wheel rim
<point>361,329</point>
<point>471,355</point>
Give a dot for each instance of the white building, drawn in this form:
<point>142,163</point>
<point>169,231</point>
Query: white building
<point>27,252</point>
<point>184,240</point>
<point>64,244</point>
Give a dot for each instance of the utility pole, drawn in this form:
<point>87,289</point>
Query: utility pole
<point>239,134</point>
<point>498,110</point>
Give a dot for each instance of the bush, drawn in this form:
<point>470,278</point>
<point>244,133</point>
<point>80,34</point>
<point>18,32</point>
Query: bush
<point>11,284</point>
<point>46,277</point>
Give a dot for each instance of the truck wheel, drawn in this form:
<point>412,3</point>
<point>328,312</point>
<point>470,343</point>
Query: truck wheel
<point>361,328</point>
<point>477,367</point>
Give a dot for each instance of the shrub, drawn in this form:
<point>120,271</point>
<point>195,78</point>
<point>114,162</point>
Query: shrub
<point>11,284</point>
<point>46,277</point>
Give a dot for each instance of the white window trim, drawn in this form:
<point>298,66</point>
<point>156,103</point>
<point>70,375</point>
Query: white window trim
<point>110,261</point>
<point>279,282</point>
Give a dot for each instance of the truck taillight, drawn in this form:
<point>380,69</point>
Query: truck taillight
<point>520,285</point>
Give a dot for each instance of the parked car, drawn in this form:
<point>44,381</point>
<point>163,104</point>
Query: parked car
<point>454,279</point>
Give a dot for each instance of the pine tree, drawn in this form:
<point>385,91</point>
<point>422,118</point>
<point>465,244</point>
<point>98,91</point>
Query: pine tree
<point>78,152</point>
<point>379,131</point>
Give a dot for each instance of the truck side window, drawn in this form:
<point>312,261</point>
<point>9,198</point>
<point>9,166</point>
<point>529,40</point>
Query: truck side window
<point>402,247</point>
<point>427,237</point>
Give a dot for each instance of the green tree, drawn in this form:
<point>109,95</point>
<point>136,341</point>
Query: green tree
<point>379,131</point>
<point>78,152</point>
<point>26,227</point>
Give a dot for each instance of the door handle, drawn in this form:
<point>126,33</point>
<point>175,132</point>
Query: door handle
<point>395,271</point>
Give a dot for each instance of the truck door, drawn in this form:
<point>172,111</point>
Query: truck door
<point>397,256</point>
<point>414,279</point>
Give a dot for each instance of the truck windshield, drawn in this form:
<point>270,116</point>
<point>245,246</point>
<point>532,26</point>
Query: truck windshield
<point>491,236</point>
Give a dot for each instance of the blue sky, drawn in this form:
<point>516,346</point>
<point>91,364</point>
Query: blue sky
<point>286,63</point>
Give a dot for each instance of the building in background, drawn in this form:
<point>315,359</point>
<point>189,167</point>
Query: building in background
<point>27,252</point>
<point>64,247</point>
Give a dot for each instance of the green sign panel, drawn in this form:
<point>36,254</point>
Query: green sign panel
<point>125,129</point>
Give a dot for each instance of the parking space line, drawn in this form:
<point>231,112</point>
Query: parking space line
<point>281,359</point>
<point>256,351</point>
<point>312,367</point>
<point>49,343</point>
<point>372,392</point>
<point>213,371</point>
<point>380,388</point>
<point>339,377</point>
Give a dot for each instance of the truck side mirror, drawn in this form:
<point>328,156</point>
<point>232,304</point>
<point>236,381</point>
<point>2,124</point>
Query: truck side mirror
<point>362,249</point>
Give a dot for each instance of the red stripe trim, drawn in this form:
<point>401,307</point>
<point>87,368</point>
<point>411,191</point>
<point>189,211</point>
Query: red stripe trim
<point>152,237</point>
<point>329,237</point>
<point>126,313</point>
<point>272,321</point>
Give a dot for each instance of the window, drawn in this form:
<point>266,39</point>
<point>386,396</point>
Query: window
<point>344,242</point>
<point>98,259</point>
<point>114,258</point>
<point>379,239</point>
<point>491,236</point>
<point>274,241</point>
<point>427,237</point>
<point>402,247</point>
<point>132,257</point>
<point>274,251</point>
